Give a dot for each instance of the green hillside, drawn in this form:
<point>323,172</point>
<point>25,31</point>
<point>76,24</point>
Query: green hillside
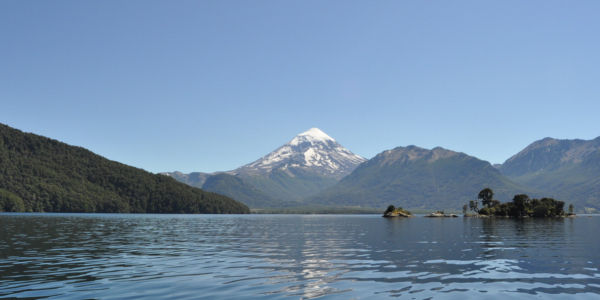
<point>417,178</point>
<point>276,189</point>
<point>568,170</point>
<point>44,175</point>
<point>289,185</point>
<point>236,187</point>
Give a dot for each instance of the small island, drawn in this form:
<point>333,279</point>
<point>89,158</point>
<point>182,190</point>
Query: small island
<point>440,214</point>
<point>520,207</point>
<point>392,212</point>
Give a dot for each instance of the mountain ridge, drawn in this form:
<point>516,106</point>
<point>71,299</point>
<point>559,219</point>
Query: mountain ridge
<point>564,168</point>
<point>419,178</point>
<point>549,153</point>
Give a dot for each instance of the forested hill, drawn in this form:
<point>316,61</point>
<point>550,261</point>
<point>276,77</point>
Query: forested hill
<point>419,179</point>
<point>43,175</point>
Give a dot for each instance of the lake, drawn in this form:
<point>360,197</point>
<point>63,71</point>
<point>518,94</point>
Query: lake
<point>127,256</point>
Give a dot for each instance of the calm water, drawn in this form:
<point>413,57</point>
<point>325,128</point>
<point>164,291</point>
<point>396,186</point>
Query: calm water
<point>290,256</point>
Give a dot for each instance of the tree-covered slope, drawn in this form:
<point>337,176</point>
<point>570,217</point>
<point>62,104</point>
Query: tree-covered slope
<point>565,169</point>
<point>41,174</point>
<point>289,185</point>
<point>417,178</point>
<point>548,155</point>
<point>235,187</point>
<point>275,189</point>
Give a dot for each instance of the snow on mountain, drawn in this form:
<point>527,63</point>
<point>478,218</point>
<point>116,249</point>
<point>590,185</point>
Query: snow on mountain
<point>311,150</point>
<point>312,135</point>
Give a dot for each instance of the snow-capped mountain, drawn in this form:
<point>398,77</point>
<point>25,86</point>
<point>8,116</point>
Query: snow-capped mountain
<point>313,151</point>
<point>309,163</point>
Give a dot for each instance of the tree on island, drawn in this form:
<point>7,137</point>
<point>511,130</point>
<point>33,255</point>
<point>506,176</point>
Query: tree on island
<point>473,205</point>
<point>521,206</point>
<point>520,202</point>
<point>486,196</point>
<point>390,209</point>
<point>393,211</point>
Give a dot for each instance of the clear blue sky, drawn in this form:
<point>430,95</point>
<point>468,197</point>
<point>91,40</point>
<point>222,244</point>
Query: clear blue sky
<point>212,85</point>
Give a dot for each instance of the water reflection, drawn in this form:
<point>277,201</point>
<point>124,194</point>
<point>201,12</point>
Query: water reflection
<point>133,256</point>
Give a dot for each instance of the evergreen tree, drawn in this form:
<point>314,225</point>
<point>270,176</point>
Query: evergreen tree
<point>473,205</point>
<point>520,203</point>
<point>486,196</point>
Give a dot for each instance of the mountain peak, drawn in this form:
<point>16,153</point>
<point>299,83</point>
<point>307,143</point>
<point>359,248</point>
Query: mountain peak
<point>312,150</point>
<point>413,153</point>
<point>548,155</point>
<point>312,135</point>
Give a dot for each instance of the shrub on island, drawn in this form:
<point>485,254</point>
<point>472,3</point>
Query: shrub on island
<point>393,211</point>
<point>521,206</point>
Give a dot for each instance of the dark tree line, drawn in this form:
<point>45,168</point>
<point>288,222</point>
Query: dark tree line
<point>521,206</point>
<point>38,174</point>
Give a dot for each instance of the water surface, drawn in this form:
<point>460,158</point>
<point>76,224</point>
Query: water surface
<point>120,256</point>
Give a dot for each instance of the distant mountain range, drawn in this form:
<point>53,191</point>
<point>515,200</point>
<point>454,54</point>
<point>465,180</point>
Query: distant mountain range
<point>418,178</point>
<point>39,174</point>
<point>313,169</point>
<point>565,169</point>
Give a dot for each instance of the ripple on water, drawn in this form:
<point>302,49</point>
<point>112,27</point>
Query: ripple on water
<point>220,257</point>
